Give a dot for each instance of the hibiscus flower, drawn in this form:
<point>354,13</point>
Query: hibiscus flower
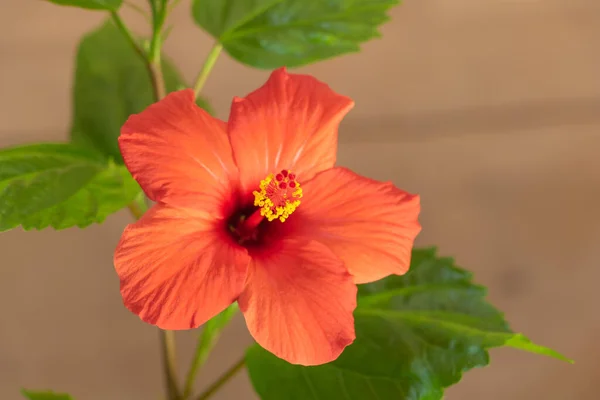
<point>255,211</point>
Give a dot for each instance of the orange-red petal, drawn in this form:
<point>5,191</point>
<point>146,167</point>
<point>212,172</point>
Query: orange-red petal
<point>177,268</point>
<point>298,303</point>
<point>177,152</point>
<point>291,122</point>
<point>370,225</point>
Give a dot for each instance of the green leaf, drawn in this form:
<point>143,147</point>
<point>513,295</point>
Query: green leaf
<point>111,5</point>
<point>60,185</point>
<point>111,83</point>
<point>274,33</point>
<point>415,336</point>
<point>45,395</point>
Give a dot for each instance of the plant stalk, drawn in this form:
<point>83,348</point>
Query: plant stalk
<point>209,63</point>
<point>230,373</point>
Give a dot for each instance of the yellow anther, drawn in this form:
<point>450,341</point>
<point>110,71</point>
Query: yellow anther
<point>279,196</point>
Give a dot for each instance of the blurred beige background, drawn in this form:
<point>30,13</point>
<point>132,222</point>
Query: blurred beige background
<point>489,109</point>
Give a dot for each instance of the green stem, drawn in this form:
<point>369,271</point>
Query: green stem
<point>136,210</point>
<point>127,33</point>
<point>152,60</point>
<point>158,19</point>
<point>158,80</point>
<point>198,361</point>
<point>159,15</point>
<point>167,340</point>
<point>207,341</point>
<point>211,59</point>
<point>230,373</point>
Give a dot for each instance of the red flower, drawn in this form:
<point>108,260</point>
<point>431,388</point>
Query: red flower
<point>222,191</point>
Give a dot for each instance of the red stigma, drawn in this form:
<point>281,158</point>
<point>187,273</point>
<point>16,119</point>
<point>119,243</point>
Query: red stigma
<point>284,172</point>
<point>283,185</point>
<point>292,184</point>
<point>292,177</point>
<point>279,177</point>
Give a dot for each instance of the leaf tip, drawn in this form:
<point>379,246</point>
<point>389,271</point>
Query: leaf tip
<point>521,342</point>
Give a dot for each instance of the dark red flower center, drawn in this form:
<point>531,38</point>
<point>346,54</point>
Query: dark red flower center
<point>277,198</point>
